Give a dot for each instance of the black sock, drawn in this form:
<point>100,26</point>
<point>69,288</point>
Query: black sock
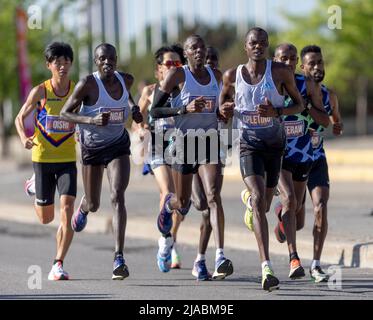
<point>118,253</point>
<point>57,260</point>
<point>167,235</point>
<point>294,255</point>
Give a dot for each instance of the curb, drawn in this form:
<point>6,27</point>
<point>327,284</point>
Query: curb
<point>357,254</point>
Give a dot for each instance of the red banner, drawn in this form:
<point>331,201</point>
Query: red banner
<point>23,65</point>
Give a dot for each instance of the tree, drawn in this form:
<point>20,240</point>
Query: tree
<point>37,39</point>
<point>347,49</point>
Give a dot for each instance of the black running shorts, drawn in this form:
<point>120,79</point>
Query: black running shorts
<point>259,163</point>
<point>48,176</point>
<point>300,171</point>
<point>103,156</point>
<point>261,160</point>
<point>319,175</point>
<point>190,165</point>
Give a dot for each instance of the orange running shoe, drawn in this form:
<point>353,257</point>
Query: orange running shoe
<point>279,230</point>
<point>296,270</point>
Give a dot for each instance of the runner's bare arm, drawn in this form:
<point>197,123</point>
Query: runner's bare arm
<point>292,90</point>
<point>317,111</point>
<point>35,96</point>
<point>288,82</point>
<point>144,103</point>
<point>335,118</point>
<point>70,109</point>
<point>226,100</point>
<point>135,109</point>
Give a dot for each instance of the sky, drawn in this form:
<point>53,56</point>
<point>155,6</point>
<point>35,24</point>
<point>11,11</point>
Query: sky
<point>134,15</point>
<point>214,11</point>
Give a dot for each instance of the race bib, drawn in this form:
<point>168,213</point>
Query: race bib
<point>316,139</point>
<point>252,120</point>
<point>117,115</point>
<point>55,124</point>
<point>294,129</point>
<point>210,103</point>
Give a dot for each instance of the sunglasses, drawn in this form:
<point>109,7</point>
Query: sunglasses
<point>170,63</point>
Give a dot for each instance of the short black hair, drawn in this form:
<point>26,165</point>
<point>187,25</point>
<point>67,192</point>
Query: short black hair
<point>193,36</point>
<point>56,50</point>
<point>256,29</point>
<point>176,48</point>
<point>106,46</point>
<point>213,50</point>
<point>288,45</point>
<point>310,49</point>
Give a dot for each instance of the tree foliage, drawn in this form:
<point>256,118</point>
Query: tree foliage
<point>347,51</point>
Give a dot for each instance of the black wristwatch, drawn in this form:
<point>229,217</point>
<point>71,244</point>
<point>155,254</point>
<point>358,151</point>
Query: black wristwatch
<point>183,110</point>
<point>135,108</point>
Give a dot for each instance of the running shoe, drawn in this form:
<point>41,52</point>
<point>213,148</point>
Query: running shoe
<point>30,186</point>
<point>317,275</point>
<point>200,271</point>
<point>120,269</point>
<point>164,220</point>
<point>269,281</point>
<point>245,197</point>
<point>279,229</point>
<point>223,269</point>
<point>79,219</point>
<point>278,210</point>
<point>57,273</point>
<point>146,169</point>
<point>164,253</point>
<point>296,270</point>
<point>185,211</point>
<point>277,192</point>
<point>176,260</point>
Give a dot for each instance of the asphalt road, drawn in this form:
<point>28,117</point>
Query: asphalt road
<point>349,207</point>
<point>90,261</point>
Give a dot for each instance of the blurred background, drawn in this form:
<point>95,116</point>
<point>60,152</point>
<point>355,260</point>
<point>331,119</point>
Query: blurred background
<point>343,28</point>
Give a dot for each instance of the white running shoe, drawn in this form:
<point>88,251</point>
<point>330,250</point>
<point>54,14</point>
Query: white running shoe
<point>57,273</point>
<point>318,275</point>
<point>30,186</point>
<point>164,253</point>
<point>176,259</point>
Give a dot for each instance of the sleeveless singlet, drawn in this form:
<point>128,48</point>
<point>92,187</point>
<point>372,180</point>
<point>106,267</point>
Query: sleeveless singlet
<point>299,147</point>
<point>97,137</point>
<point>317,136</point>
<point>54,137</point>
<point>191,90</point>
<point>258,132</point>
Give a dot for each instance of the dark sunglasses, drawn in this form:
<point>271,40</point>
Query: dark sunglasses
<point>170,63</point>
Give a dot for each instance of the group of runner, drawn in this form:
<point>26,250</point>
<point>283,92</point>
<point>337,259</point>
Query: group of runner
<point>280,116</point>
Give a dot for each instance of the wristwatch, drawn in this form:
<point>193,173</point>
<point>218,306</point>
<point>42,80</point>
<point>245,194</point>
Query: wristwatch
<point>135,108</point>
<point>182,110</point>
